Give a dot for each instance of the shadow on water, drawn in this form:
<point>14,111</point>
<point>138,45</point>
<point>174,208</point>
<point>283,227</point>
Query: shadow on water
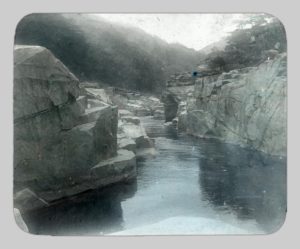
<point>249,183</point>
<point>92,213</point>
<point>188,178</point>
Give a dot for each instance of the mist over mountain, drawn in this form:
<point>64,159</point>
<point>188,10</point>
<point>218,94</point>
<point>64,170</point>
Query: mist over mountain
<point>97,50</point>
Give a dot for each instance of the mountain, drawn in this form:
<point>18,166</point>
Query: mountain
<point>215,46</point>
<point>97,50</point>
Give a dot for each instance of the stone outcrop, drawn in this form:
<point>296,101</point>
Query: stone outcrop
<point>127,144</point>
<point>132,135</point>
<point>38,78</point>
<point>246,106</point>
<point>171,103</point>
<point>58,138</point>
<point>123,166</point>
<point>179,87</point>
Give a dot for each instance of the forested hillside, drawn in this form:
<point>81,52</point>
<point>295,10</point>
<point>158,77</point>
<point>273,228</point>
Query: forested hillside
<point>96,50</point>
<point>256,39</point>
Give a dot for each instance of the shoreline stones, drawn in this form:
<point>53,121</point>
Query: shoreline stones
<point>132,135</point>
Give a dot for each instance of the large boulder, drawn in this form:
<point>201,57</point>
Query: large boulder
<point>127,144</point>
<point>115,169</point>
<point>40,81</point>
<point>57,139</point>
<point>132,136</point>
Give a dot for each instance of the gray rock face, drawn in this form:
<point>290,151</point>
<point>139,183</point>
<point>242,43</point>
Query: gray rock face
<point>171,102</point>
<point>246,107</point>
<point>127,144</point>
<point>69,114</point>
<point>40,81</point>
<point>57,138</point>
<point>106,132</point>
<point>79,149</point>
<point>122,166</point>
<point>132,136</point>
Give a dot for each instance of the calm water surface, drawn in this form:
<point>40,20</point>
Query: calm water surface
<point>201,178</point>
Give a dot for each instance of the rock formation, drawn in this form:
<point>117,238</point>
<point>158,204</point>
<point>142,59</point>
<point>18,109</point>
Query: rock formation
<point>63,135</point>
<point>132,135</point>
<point>179,87</point>
<point>245,106</point>
<point>171,103</point>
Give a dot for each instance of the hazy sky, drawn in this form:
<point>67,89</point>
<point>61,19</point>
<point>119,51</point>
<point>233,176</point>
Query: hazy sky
<point>192,30</point>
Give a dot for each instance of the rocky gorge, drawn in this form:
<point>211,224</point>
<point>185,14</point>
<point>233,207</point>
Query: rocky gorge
<point>119,132</point>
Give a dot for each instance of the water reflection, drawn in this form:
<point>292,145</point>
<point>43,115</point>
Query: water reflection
<point>248,183</point>
<point>92,213</point>
<point>188,178</point>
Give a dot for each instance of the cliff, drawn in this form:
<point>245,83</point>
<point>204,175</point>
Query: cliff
<point>244,106</point>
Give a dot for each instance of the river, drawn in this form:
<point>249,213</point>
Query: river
<point>192,186</point>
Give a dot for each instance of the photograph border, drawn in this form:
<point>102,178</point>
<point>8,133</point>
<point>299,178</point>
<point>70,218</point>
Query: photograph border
<point>14,11</point>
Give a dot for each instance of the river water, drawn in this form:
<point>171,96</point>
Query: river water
<point>193,185</point>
